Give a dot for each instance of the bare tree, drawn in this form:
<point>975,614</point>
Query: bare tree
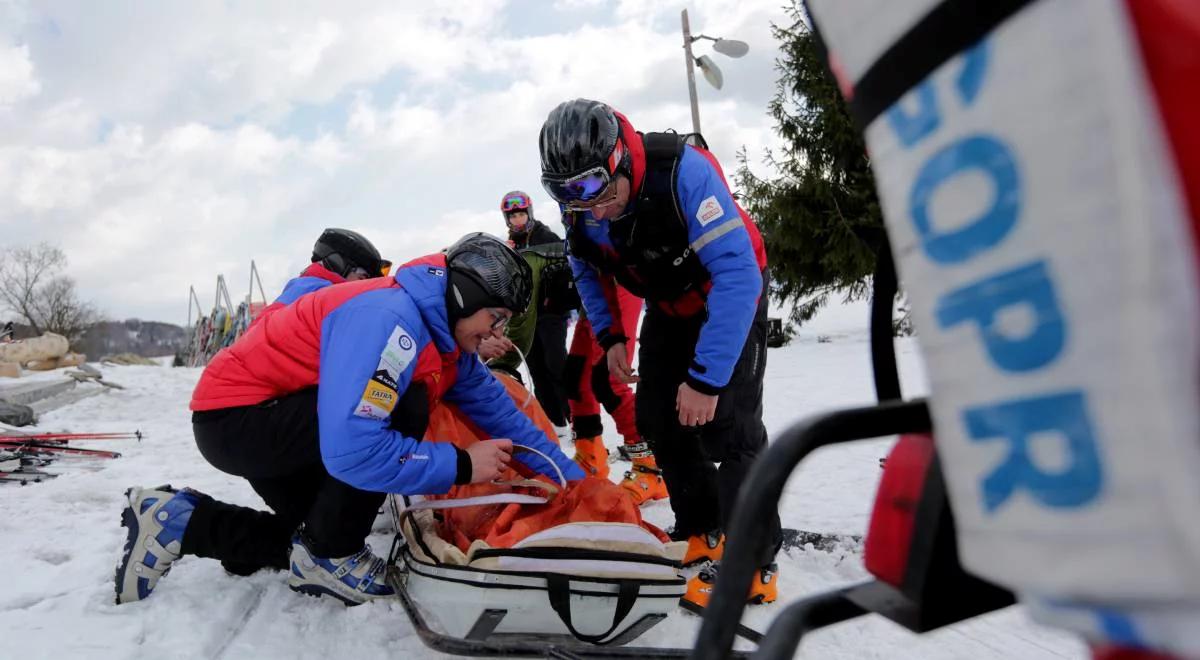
<point>22,272</point>
<point>31,286</point>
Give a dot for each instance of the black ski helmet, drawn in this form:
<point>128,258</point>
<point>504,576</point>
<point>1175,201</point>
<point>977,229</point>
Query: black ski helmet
<point>486,272</point>
<point>579,135</point>
<point>342,250</point>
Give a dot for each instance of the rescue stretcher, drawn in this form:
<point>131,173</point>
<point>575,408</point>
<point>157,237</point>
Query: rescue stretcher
<point>574,590</point>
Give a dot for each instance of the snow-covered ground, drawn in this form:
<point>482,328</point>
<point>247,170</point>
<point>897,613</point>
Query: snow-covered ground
<point>60,540</point>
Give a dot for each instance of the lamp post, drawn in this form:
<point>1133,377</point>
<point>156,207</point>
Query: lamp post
<point>727,47</point>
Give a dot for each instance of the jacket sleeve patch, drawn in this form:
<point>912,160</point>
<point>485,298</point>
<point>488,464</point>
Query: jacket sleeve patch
<point>710,209</point>
<point>381,393</point>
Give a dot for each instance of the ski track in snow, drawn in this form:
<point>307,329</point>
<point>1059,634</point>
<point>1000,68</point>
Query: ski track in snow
<point>61,539</point>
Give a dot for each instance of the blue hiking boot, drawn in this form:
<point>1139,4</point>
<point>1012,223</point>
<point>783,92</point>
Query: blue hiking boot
<point>155,519</point>
<point>353,580</point>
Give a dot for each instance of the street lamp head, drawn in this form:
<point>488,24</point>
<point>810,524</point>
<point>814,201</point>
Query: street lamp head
<point>711,72</point>
<point>731,47</point>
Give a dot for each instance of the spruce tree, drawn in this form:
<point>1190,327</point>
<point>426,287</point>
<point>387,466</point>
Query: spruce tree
<point>819,213</point>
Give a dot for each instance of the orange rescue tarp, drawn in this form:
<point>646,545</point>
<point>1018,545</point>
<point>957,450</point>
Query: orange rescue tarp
<point>503,525</point>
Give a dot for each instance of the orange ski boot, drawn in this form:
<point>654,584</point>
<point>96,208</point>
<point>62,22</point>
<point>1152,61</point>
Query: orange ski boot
<point>709,546</point>
<point>763,589</point>
<point>644,482</point>
<point>591,455</point>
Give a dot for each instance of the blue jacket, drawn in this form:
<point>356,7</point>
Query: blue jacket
<point>314,278</point>
<point>372,346</point>
<point>729,247</point>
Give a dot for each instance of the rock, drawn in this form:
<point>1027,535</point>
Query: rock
<point>45,347</point>
<point>68,360</point>
<point>16,414</point>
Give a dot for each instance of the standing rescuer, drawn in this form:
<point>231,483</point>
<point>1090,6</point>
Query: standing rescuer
<point>541,331</point>
<point>656,215</point>
<point>585,376</point>
<point>322,408</point>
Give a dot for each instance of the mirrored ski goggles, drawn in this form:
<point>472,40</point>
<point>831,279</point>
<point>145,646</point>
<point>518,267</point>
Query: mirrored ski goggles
<point>579,189</point>
<point>515,204</point>
<point>384,267</point>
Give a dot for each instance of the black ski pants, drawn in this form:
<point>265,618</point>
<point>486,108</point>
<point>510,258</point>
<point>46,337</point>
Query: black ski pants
<point>547,362</point>
<point>703,494</point>
<point>274,446</point>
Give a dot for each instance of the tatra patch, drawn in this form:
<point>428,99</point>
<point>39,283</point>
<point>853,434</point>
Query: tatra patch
<point>710,209</point>
<point>380,396</point>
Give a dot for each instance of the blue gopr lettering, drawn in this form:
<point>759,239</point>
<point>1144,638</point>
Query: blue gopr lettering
<point>1119,628</point>
<point>970,79</point>
<point>982,302</point>
<point>911,125</point>
<point>916,114</point>
<point>1014,422</point>
<point>979,153</point>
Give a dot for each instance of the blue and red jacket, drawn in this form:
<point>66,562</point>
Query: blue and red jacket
<point>363,344</point>
<point>721,251</point>
<point>313,278</point>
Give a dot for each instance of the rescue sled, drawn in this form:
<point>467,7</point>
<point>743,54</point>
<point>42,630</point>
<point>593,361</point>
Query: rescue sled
<point>574,590</point>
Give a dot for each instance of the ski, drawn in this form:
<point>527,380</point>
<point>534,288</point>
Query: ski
<point>63,437</point>
<point>743,631</point>
<point>50,448</point>
<point>26,476</point>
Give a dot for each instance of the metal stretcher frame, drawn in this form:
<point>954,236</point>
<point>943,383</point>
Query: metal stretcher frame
<point>763,489</point>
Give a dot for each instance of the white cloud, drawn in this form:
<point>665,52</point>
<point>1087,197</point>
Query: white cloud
<point>17,80</point>
<point>229,132</point>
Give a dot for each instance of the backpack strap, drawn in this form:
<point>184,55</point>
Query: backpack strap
<point>662,147</point>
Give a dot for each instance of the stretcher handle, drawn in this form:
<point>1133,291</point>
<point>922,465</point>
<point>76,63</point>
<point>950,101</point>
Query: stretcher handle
<point>562,479</point>
<point>558,587</point>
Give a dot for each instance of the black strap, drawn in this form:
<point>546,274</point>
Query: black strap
<point>662,146</point>
<point>559,590</point>
<point>418,537</point>
<point>948,29</point>
<point>883,343</point>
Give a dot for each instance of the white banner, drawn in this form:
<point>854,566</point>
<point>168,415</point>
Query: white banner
<point>1040,237</point>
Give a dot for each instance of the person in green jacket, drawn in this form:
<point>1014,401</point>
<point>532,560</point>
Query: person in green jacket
<point>540,334</point>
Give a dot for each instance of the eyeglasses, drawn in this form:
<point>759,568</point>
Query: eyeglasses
<point>498,320</point>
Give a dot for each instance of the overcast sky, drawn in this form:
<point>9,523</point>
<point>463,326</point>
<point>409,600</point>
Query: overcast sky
<point>160,143</point>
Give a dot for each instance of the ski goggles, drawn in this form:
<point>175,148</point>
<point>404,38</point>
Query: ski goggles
<point>515,203</point>
<point>578,189</point>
